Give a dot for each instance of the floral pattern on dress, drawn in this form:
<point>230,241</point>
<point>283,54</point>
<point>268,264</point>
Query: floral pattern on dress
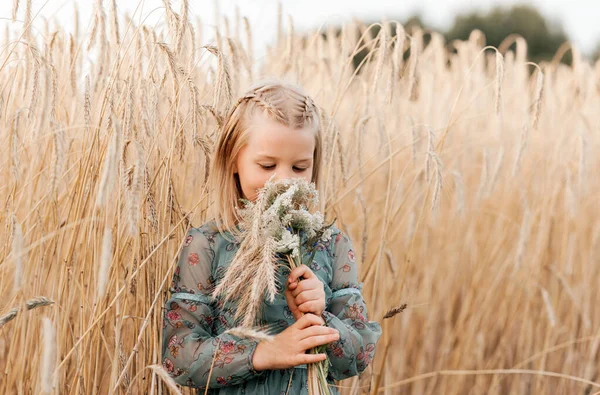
<point>194,341</point>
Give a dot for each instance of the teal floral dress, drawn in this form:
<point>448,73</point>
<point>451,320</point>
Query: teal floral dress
<point>194,322</point>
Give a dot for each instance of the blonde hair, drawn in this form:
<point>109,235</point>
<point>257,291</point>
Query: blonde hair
<point>286,104</point>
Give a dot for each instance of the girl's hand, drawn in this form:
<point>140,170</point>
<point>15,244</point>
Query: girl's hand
<point>306,296</point>
<point>288,347</point>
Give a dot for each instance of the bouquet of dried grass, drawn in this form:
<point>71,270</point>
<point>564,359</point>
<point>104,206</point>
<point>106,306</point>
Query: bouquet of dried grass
<point>278,224</point>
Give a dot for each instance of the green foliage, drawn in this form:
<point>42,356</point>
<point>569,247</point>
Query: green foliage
<point>543,38</point>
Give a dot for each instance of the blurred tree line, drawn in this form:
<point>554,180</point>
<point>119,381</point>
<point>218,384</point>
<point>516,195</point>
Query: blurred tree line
<point>543,37</point>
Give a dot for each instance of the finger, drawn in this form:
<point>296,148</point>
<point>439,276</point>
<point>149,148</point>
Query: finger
<point>317,330</point>
<point>293,306</point>
<point>298,287</point>
<point>314,306</point>
<point>307,296</point>
<point>300,271</point>
<point>311,358</point>
<point>314,341</point>
<point>309,320</point>
<point>305,285</point>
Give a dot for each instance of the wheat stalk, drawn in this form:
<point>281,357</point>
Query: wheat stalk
<point>48,359</point>
<point>499,81</point>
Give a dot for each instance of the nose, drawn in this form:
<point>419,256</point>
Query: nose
<point>284,174</point>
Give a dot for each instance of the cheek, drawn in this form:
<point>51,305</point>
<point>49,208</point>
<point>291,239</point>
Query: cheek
<point>251,180</point>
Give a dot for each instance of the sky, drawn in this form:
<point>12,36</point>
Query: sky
<point>578,17</point>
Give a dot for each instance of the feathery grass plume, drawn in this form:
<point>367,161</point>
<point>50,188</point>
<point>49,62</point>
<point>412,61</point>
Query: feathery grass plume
<point>98,24</point>
<point>35,83</point>
<point>58,158</point>
<point>235,61</point>
<point>122,365</point>
<point>437,170</point>
<point>115,23</point>
<point>105,261</point>
<point>15,10</point>
<point>522,145</point>
<point>150,202</point>
<point>582,162</point>
<point>182,26</point>
<point>135,190</point>
<point>73,62</point>
<point>160,371</point>
<point>499,80</point>
<point>195,110</point>
<point>266,229</point>
<point>14,146</point>
<point>415,50</point>
<point>483,176</point>
<point>129,108</point>
<point>430,148</point>
<point>12,313</point>
<point>537,103</point>
<point>17,253</point>
<point>383,53</point>
<point>171,62</point>
<point>223,83</point>
<point>396,310</point>
<point>249,45</point>
<point>460,191</point>
<point>38,301</point>
<point>87,106</point>
<point>524,232</point>
<point>48,357</point>
<point>27,21</point>
<point>75,20</point>
<point>278,222</point>
<point>172,19</point>
<point>415,138</point>
<point>53,100</point>
<point>495,172</point>
<point>365,228</point>
<point>109,170</point>
<point>549,309</point>
<point>279,23</point>
<point>397,60</point>
<point>249,333</point>
<point>289,47</point>
<point>340,151</point>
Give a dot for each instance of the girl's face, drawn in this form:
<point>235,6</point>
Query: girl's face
<point>273,149</point>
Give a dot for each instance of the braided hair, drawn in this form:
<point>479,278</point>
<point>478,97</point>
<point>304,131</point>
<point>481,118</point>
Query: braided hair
<point>284,103</point>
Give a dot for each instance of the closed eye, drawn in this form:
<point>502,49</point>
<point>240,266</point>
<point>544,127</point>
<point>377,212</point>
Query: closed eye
<point>267,167</point>
<point>299,169</point>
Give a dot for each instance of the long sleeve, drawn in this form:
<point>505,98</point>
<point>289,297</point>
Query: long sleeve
<point>189,343</point>
<point>346,311</point>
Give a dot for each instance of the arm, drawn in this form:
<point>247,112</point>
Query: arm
<point>347,312</point>
<point>189,344</point>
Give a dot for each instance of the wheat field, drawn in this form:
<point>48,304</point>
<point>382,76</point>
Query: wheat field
<point>463,174</point>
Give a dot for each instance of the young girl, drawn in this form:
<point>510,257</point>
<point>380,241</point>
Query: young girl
<point>273,130</point>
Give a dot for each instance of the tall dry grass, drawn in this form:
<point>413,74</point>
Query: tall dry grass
<point>466,179</point>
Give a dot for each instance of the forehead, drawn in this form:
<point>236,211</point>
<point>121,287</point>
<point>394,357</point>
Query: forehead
<point>270,138</point>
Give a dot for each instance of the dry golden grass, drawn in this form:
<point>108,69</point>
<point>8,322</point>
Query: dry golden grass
<point>465,178</point>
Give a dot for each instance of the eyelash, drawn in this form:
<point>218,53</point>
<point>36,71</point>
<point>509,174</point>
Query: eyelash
<point>297,169</point>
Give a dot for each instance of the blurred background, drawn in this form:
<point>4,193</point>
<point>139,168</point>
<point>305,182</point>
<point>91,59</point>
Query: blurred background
<point>465,177</point>
<point>545,24</point>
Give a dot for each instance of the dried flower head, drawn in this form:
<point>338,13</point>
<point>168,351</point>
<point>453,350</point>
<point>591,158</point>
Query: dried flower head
<point>278,222</point>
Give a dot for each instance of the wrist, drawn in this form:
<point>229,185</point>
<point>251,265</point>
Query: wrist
<point>260,358</point>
